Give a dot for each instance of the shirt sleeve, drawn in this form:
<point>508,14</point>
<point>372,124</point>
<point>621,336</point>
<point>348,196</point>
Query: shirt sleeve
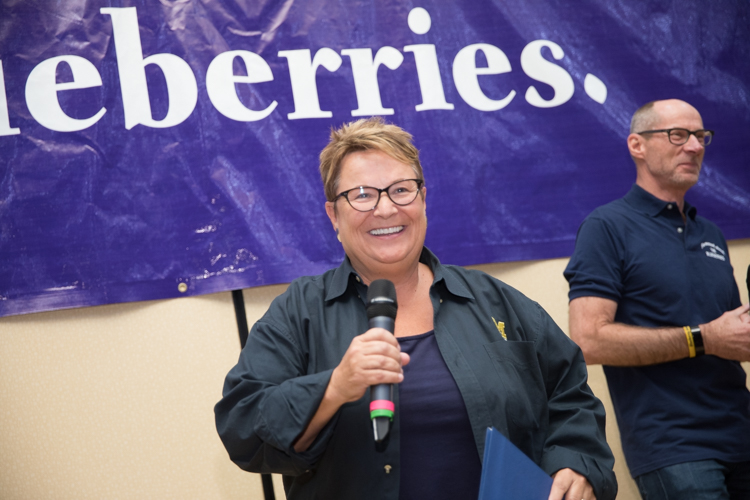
<point>576,437</point>
<point>268,400</point>
<point>735,301</point>
<point>596,266</point>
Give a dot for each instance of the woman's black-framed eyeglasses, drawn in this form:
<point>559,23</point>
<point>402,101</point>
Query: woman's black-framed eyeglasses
<point>366,198</point>
<point>679,136</point>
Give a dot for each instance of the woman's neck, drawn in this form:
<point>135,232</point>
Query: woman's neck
<point>412,285</point>
<point>406,279</point>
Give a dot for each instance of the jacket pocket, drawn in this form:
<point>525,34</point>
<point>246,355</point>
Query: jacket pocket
<point>523,396</point>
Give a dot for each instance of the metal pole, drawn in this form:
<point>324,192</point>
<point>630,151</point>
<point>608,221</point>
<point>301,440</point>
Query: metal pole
<point>239,312</point>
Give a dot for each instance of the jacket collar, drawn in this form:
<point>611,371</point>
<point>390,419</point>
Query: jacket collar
<point>345,272</point>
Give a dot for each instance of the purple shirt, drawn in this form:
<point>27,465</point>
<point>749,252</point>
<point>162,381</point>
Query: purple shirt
<point>439,458</point>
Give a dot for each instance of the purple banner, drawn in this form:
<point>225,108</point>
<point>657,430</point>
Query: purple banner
<point>162,149</point>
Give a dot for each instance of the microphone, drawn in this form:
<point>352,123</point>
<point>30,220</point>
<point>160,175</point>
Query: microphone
<point>381,313</point>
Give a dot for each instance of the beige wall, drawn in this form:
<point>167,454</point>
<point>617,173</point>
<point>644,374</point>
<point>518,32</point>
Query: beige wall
<point>116,402</point>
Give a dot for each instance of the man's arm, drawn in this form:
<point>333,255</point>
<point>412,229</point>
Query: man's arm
<point>603,341</point>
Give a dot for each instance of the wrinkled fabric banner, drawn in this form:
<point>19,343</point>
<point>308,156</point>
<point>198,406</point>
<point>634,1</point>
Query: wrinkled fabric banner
<point>162,149</point>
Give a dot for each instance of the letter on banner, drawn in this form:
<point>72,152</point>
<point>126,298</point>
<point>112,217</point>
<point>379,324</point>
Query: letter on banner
<point>304,86</point>
<point>182,90</point>
<point>5,128</point>
<point>365,72</point>
<point>428,70</point>
<point>540,69</point>
<point>428,73</point>
<point>221,80</point>
<point>42,89</point>
<point>465,74</point>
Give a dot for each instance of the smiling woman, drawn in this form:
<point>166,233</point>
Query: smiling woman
<point>468,352</point>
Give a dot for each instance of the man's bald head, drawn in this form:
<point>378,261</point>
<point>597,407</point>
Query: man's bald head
<point>647,117</point>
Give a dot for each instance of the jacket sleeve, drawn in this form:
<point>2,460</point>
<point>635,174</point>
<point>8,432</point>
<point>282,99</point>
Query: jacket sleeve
<point>269,398</point>
<point>576,437</point>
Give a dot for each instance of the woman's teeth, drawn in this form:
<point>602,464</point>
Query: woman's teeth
<point>386,230</point>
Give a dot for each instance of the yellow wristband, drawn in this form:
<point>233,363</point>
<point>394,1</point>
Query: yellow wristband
<point>690,341</point>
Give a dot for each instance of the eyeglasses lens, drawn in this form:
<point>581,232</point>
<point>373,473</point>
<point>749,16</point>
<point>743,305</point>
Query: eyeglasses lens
<point>403,193</point>
<point>679,136</point>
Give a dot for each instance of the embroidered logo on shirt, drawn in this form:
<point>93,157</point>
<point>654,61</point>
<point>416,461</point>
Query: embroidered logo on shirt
<point>500,328</point>
<point>714,251</point>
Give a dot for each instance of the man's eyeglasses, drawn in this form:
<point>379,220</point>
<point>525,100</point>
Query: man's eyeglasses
<point>366,198</point>
<point>679,136</point>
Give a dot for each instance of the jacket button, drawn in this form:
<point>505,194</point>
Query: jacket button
<point>388,469</point>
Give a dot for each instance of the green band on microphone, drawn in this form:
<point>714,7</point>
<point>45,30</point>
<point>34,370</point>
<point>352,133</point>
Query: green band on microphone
<point>381,413</point>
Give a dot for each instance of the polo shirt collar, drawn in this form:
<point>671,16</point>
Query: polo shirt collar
<point>645,202</point>
<point>344,272</point>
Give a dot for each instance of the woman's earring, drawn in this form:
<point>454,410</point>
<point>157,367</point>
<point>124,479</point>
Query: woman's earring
<point>338,237</point>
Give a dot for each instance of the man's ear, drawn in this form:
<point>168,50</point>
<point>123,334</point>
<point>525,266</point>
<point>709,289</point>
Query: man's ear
<point>636,145</point>
<point>332,215</point>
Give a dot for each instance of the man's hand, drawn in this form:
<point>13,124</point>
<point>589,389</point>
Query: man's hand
<point>571,485</point>
<point>728,336</point>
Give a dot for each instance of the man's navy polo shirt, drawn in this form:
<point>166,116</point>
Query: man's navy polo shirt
<point>663,271</point>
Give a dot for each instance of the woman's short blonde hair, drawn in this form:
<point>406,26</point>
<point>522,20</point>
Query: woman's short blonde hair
<point>364,135</point>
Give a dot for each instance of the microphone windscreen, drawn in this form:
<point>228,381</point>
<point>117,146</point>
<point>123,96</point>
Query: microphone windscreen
<point>381,299</point>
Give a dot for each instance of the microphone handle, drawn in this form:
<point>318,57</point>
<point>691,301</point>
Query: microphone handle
<point>383,322</point>
<point>382,391</point>
<point>381,425</point>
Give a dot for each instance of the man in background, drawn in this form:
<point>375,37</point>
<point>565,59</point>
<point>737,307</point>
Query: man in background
<point>653,299</point>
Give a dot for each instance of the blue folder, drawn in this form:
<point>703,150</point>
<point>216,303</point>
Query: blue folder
<point>508,474</point>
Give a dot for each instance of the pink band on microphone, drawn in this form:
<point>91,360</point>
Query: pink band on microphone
<point>382,404</point>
